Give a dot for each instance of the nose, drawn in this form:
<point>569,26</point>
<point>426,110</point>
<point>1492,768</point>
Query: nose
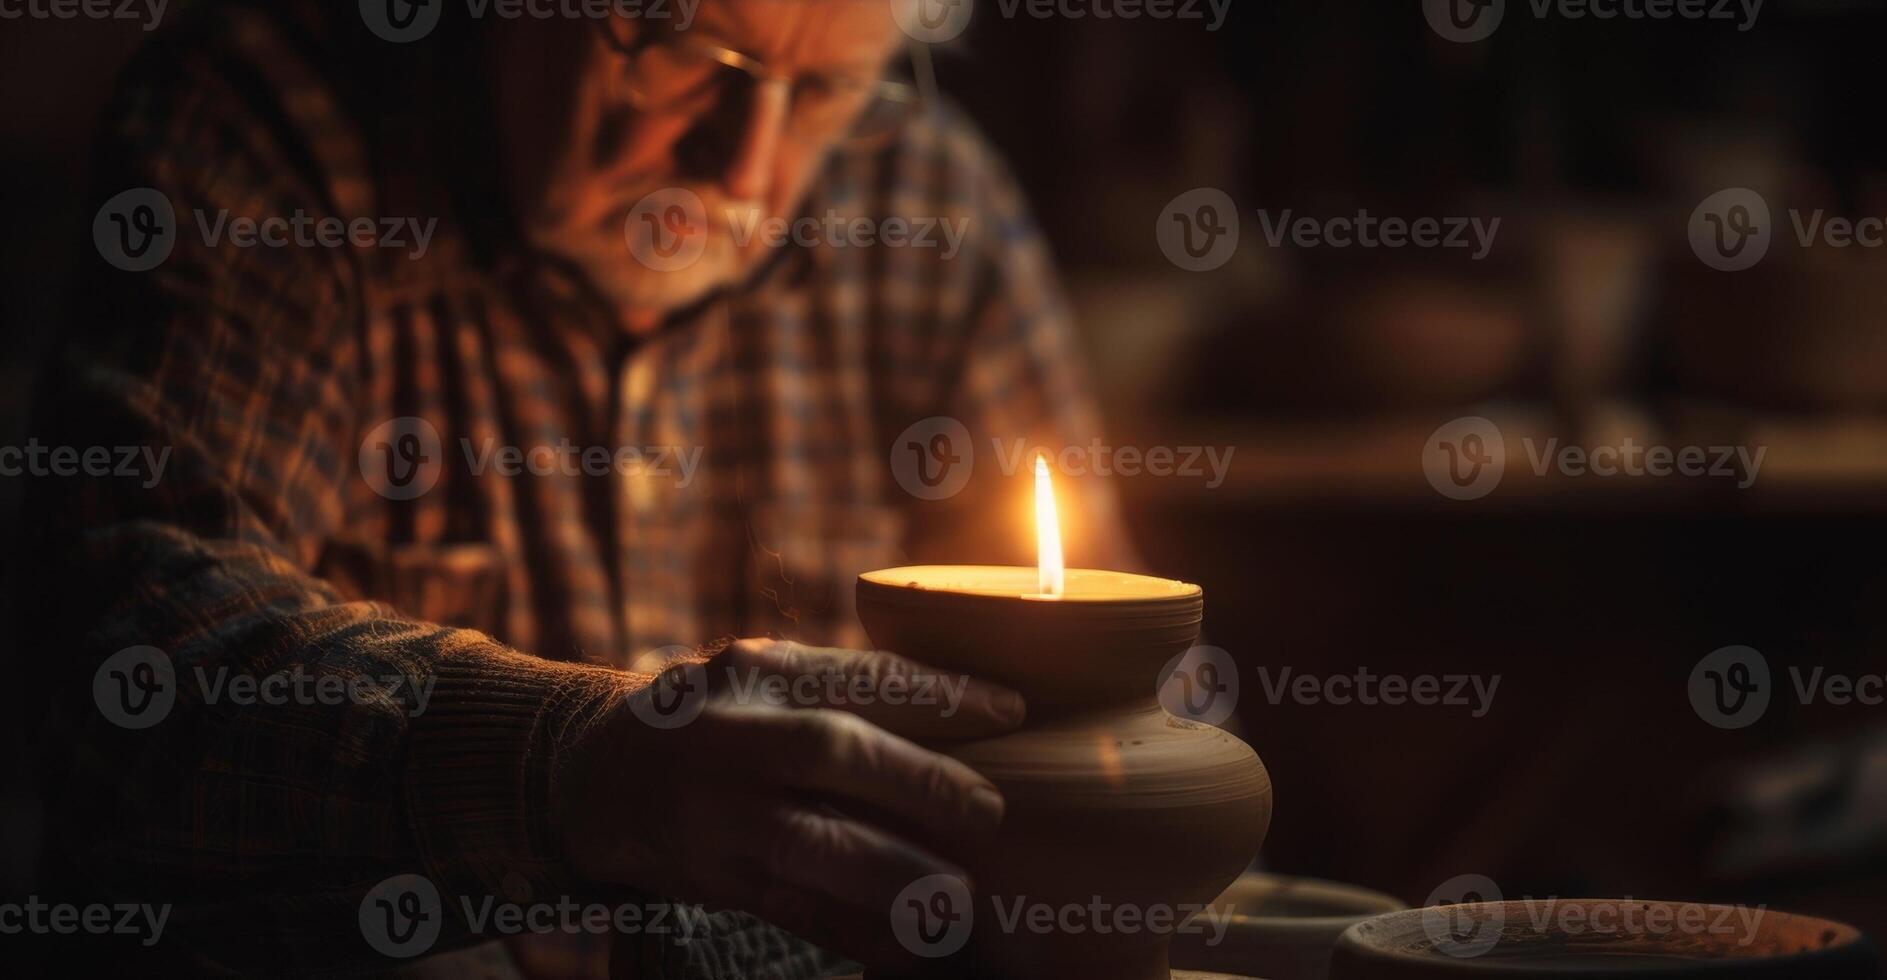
<point>750,169</point>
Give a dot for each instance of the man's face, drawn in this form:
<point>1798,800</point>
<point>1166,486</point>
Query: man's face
<point>586,136</point>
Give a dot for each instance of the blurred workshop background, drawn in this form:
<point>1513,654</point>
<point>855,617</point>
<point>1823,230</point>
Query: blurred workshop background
<point>1590,321</point>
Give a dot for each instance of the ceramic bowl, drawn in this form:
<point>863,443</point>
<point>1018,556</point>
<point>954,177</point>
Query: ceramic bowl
<point>1569,939</point>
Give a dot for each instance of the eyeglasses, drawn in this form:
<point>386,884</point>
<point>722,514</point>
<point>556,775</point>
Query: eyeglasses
<point>687,76</point>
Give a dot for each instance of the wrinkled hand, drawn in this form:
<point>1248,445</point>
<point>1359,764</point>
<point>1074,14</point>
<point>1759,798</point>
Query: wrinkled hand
<point>812,811</point>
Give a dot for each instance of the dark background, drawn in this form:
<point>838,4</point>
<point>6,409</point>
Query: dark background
<point>1591,321</point>
<point>1327,369</point>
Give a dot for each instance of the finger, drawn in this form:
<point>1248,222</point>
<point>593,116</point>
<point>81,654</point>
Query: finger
<point>844,757</point>
<point>895,693</point>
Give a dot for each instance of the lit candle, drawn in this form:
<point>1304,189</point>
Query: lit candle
<point>1050,577</point>
<point>1054,588</point>
<point>998,621</point>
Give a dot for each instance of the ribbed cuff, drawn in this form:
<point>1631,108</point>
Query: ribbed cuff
<point>483,756</point>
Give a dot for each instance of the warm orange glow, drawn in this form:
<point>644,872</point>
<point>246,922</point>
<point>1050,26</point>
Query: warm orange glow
<point>1048,565</point>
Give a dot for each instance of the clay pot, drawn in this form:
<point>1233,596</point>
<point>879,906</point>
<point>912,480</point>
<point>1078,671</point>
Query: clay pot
<point>1280,927</point>
<point>1581,938</point>
<point>1110,800</point>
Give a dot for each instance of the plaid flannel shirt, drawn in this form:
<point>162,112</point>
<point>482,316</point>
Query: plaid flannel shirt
<point>520,601</point>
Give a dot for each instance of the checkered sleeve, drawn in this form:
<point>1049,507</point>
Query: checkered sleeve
<point>282,750</point>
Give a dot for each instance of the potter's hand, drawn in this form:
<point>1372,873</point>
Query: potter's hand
<point>779,779</point>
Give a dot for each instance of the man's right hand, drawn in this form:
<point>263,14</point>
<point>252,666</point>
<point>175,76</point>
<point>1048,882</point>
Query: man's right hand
<point>813,814</point>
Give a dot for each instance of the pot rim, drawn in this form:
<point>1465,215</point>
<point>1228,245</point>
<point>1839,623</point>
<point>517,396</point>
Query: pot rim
<point>890,582</point>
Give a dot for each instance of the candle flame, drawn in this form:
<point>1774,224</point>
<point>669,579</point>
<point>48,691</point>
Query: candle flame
<point>1052,579</point>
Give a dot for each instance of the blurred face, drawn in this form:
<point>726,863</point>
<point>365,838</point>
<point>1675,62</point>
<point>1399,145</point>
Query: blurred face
<point>607,153</point>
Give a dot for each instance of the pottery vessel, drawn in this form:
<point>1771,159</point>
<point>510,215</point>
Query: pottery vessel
<point>1586,939</point>
<point>1280,927</point>
<point>1111,802</point>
